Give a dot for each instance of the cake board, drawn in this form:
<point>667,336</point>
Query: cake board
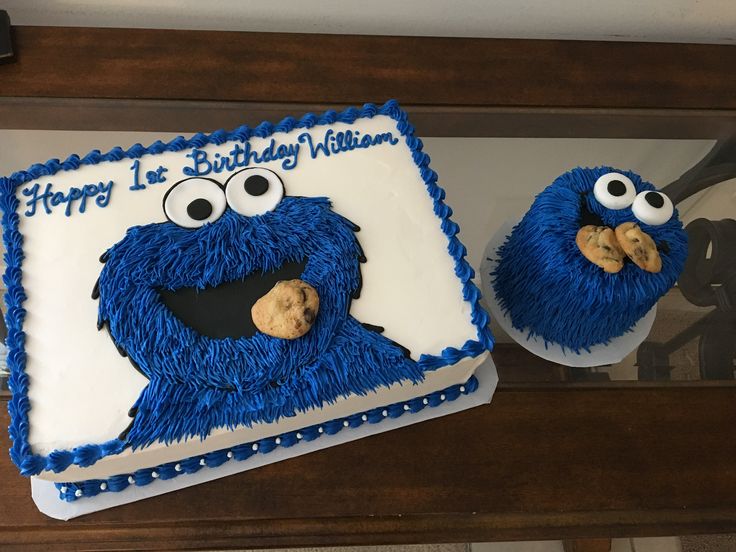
<point>46,496</point>
<point>598,355</point>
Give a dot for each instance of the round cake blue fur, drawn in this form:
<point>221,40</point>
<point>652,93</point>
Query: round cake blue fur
<point>549,289</point>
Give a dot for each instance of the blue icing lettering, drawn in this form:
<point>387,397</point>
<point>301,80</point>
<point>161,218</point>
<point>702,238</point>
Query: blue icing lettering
<point>240,157</point>
<point>135,167</point>
<point>201,165</point>
<point>103,200</point>
<point>314,149</point>
<point>157,176</point>
<point>76,197</point>
<point>36,198</point>
<point>57,198</point>
<point>334,143</point>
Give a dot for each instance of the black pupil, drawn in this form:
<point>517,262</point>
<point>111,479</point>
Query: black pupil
<point>654,199</point>
<point>256,185</point>
<point>199,209</point>
<point>616,188</point>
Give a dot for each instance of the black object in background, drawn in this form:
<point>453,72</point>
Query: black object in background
<point>6,44</point>
<point>708,279</point>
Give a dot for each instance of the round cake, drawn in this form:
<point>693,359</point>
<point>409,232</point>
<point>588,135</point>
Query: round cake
<point>594,253</point>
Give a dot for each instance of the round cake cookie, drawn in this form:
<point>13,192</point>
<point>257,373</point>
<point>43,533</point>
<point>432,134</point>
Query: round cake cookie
<point>590,258</point>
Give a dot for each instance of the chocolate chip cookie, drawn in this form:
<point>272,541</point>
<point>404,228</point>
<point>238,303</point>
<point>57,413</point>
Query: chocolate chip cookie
<point>639,246</point>
<point>287,311</point>
<point>599,245</point>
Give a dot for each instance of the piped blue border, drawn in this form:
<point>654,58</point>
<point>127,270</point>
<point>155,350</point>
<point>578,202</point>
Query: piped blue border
<point>86,455</point>
<point>92,487</point>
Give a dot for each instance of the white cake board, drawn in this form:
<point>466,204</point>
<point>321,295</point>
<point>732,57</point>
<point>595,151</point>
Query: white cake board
<point>600,355</point>
<point>46,495</point>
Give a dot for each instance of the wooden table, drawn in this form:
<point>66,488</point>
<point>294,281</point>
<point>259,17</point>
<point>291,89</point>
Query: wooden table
<point>547,459</point>
<point>535,464</point>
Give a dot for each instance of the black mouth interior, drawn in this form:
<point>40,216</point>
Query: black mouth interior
<point>224,310</point>
<point>587,216</point>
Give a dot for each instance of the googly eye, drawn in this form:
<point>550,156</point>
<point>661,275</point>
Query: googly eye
<point>254,191</point>
<point>653,208</point>
<point>614,191</point>
<point>194,202</point>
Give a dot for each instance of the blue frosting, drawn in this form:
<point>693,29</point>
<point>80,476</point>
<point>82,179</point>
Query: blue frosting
<point>92,487</point>
<point>198,383</point>
<point>551,290</point>
<point>57,461</point>
<point>76,198</point>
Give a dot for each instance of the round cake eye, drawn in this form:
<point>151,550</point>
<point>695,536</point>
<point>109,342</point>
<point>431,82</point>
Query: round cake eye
<point>653,208</point>
<point>254,191</point>
<point>614,191</point>
<point>194,202</point>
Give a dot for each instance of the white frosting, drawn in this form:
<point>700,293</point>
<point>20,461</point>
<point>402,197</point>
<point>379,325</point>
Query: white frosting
<point>220,439</point>
<point>248,205</point>
<point>648,213</point>
<point>80,387</point>
<point>606,198</point>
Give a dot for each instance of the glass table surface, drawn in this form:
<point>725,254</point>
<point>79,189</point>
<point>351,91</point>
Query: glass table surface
<point>492,180</point>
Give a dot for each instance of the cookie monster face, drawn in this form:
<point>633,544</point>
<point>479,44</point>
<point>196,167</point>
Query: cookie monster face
<point>592,255</point>
<point>176,298</point>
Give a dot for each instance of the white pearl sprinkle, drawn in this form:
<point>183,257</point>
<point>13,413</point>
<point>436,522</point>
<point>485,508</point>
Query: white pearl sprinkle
<point>320,430</point>
<point>407,407</point>
<point>78,493</point>
<point>202,462</point>
<point>346,423</point>
<point>154,474</point>
<point>131,480</point>
<point>229,454</point>
<point>177,467</point>
<point>298,435</point>
<point>103,486</point>
<point>384,413</point>
<point>364,418</point>
<point>462,389</point>
<point>442,397</point>
<point>254,447</point>
<point>425,401</point>
<point>278,440</point>
<point>63,490</point>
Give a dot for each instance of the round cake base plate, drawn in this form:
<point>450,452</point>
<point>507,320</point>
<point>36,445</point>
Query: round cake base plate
<point>599,355</point>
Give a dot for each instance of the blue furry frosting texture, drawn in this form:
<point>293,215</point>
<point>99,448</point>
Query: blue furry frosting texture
<point>92,487</point>
<point>198,383</point>
<point>551,290</point>
<point>179,387</point>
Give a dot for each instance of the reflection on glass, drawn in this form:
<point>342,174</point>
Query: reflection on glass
<point>493,180</point>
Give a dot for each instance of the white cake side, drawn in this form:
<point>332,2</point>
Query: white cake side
<point>129,461</point>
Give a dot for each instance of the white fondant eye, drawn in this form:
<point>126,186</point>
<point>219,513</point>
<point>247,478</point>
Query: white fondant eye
<point>254,191</point>
<point>614,191</point>
<point>194,202</point>
<point>652,208</point>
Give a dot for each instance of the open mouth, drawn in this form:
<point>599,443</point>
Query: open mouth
<point>225,310</point>
<point>588,217</point>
